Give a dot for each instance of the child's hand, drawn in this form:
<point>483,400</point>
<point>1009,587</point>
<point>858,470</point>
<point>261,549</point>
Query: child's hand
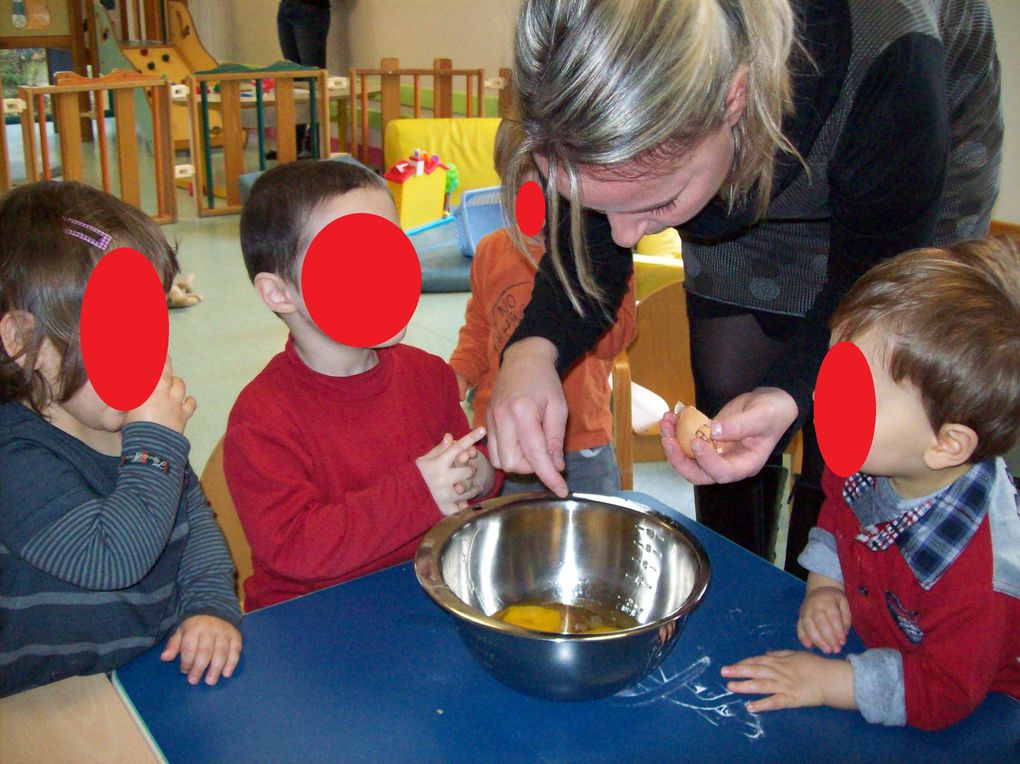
<point>462,384</point>
<point>481,479</point>
<point>824,619</point>
<point>169,405</point>
<point>204,641</point>
<point>447,464</point>
<point>793,679</point>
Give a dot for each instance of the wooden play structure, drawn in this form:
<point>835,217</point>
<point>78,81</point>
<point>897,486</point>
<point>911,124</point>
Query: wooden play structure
<point>145,44</point>
<point>385,87</point>
<point>118,88</point>
<point>48,24</point>
<point>242,87</point>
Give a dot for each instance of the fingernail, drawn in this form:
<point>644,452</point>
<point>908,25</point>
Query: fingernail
<point>716,430</point>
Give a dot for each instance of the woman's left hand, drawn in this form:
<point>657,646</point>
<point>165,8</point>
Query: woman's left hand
<point>747,430</point>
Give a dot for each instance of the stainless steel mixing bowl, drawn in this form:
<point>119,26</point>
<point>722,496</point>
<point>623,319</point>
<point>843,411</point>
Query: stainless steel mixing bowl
<point>584,549</point>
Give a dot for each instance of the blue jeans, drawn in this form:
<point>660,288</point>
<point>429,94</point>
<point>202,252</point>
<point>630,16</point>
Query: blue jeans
<point>590,471</point>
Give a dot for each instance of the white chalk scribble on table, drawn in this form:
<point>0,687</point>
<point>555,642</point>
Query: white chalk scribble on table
<point>719,707</point>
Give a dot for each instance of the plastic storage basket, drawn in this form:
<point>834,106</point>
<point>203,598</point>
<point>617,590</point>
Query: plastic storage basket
<point>478,214</point>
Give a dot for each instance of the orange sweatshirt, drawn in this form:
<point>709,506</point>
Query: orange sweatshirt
<point>501,283</point>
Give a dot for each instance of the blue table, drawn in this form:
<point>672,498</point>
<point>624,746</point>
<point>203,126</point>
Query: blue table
<point>372,670</point>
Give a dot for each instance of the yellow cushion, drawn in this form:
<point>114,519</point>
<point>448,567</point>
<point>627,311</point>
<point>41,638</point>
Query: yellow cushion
<point>657,262</point>
<point>467,143</point>
<point>663,244</point>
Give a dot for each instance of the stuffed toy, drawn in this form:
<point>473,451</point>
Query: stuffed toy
<point>182,294</point>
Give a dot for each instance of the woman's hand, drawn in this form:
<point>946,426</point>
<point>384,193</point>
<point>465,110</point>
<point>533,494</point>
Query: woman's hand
<point>747,430</point>
<point>527,415</point>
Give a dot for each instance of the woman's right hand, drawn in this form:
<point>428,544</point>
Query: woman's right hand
<point>169,404</point>
<point>747,429</point>
<point>527,415</point>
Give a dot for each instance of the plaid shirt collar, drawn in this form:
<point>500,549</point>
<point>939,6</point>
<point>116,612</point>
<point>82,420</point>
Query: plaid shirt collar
<point>932,534</point>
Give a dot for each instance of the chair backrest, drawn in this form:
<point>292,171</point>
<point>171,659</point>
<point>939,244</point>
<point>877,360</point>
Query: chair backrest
<point>1002,228</point>
<point>214,484</point>
<point>660,356</point>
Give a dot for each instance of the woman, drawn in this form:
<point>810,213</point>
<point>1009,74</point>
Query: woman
<point>793,143</point>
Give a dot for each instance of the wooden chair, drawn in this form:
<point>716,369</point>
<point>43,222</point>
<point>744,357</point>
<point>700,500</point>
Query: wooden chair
<point>1002,228</point>
<point>214,484</point>
<point>659,359</point>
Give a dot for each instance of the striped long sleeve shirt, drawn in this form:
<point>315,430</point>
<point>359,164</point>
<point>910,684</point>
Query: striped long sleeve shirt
<point>100,557</point>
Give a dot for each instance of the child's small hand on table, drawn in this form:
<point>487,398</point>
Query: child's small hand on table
<point>204,641</point>
<point>824,619</point>
<point>792,679</point>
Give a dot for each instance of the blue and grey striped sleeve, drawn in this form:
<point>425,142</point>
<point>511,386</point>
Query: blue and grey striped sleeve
<point>206,576</point>
<point>111,542</point>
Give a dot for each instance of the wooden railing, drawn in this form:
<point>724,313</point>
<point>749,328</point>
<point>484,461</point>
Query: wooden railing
<point>119,87</point>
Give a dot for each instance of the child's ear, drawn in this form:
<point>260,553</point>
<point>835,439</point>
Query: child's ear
<point>954,445</point>
<point>15,326</point>
<point>275,293</point>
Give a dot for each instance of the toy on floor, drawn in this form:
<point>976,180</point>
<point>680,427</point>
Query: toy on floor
<point>182,293</point>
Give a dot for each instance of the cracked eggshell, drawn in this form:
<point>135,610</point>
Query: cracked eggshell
<point>690,424</point>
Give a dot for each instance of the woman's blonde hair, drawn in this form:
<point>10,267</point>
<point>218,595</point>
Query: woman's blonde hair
<point>601,83</point>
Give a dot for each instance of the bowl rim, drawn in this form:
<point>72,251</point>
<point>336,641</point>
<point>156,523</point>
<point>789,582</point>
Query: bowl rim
<point>428,557</point>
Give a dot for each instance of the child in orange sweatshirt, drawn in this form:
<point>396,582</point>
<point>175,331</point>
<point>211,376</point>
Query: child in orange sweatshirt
<point>502,278</point>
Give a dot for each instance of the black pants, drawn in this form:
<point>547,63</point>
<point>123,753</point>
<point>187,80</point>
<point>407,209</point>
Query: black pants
<point>730,348</point>
<point>303,30</point>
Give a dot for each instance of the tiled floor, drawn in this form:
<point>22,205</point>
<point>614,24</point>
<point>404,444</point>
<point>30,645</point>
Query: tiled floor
<point>220,344</point>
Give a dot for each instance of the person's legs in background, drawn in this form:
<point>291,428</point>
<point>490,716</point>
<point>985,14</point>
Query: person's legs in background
<point>303,29</point>
<point>730,349</point>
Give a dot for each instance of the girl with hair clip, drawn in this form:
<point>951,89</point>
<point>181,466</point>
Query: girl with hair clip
<point>107,545</point>
<point>793,144</point>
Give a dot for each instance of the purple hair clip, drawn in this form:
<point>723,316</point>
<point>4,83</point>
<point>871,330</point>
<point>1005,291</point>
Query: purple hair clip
<point>90,235</point>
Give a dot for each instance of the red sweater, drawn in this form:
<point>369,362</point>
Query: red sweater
<point>322,469</point>
<point>971,640</point>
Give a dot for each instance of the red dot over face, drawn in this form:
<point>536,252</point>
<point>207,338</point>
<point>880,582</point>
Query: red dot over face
<point>125,329</point>
<point>530,208</point>
<point>361,280</point>
<point>844,408</point>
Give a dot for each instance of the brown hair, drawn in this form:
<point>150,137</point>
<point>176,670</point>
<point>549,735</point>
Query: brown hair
<point>275,216</point>
<point>44,271</point>
<point>951,324</point>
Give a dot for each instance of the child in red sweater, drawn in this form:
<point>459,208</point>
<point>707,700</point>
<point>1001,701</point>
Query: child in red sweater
<point>338,458</point>
<point>501,281</point>
<point>920,550</point>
